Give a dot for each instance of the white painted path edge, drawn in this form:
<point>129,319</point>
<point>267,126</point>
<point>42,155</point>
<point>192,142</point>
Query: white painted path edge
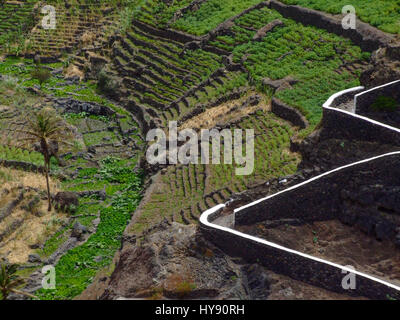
<point>327,105</point>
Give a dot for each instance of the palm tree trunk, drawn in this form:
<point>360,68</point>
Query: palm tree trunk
<point>4,294</point>
<point>46,167</point>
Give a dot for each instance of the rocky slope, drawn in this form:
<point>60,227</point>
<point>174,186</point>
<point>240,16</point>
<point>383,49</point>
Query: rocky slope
<point>176,262</point>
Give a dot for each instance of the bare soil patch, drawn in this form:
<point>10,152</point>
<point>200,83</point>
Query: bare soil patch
<point>26,226</point>
<point>225,113</point>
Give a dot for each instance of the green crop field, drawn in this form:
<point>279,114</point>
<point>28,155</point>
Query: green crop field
<point>308,54</point>
<point>15,21</point>
<point>211,14</point>
<point>384,15</point>
<point>184,191</point>
<point>113,70</point>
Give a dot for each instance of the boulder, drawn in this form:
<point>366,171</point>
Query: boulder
<point>78,231</point>
<point>65,199</point>
<point>34,258</point>
<point>385,67</point>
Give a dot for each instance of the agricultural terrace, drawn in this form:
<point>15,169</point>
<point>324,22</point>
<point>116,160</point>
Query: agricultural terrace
<point>181,193</point>
<point>156,74</point>
<point>384,15</point>
<point>105,176</point>
<point>323,63</point>
<point>16,18</point>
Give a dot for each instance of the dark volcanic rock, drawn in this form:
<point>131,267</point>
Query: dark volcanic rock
<point>78,231</point>
<point>34,258</point>
<point>75,106</point>
<point>66,200</point>
<point>385,67</point>
<point>175,261</point>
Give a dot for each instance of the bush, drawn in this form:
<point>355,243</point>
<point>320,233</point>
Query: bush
<point>41,74</point>
<point>384,103</point>
<point>106,83</point>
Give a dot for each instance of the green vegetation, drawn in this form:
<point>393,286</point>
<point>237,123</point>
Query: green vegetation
<point>184,192</point>
<point>156,12</point>
<point>383,103</point>
<point>15,21</point>
<point>18,154</point>
<point>41,74</point>
<point>167,73</point>
<point>162,77</point>
<point>246,27</point>
<point>10,281</point>
<point>306,53</point>
<point>20,71</point>
<point>77,267</point>
<point>384,15</point>
<point>122,184</point>
<point>211,14</point>
<point>48,130</point>
<point>216,90</point>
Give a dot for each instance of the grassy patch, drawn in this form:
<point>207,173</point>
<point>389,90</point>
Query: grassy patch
<point>210,14</point>
<point>77,267</point>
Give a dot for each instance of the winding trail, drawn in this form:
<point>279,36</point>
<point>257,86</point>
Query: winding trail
<point>207,217</point>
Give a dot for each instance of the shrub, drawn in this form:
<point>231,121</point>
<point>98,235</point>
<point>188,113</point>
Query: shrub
<point>384,103</point>
<point>106,83</point>
<point>41,74</point>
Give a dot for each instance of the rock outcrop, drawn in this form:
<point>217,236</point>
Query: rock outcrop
<point>174,261</point>
<point>385,67</point>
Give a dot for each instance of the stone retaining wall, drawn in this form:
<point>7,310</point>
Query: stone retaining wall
<point>26,166</point>
<point>342,125</point>
<point>365,99</point>
<point>295,265</point>
<point>322,198</point>
<point>288,113</point>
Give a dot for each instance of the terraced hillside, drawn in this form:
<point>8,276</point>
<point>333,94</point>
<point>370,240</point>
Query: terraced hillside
<point>181,193</point>
<point>161,77</point>
<point>78,24</point>
<point>99,168</point>
<point>291,49</point>
<point>115,70</point>
<point>16,18</point>
<point>384,15</point>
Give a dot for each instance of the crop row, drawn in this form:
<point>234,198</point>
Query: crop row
<point>17,154</point>
<point>15,19</point>
<point>210,14</point>
<point>245,28</point>
<point>209,93</point>
<point>384,15</point>
<point>183,192</point>
<point>158,71</point>
<point>308,54</point>
<point>158,13</point>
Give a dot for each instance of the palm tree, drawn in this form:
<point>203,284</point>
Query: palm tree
<point>47,129</point>
<point>9,281</point>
